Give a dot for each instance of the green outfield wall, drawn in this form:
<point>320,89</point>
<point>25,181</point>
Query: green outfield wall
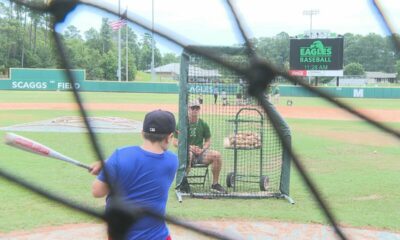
<point>343,92</point>
<point>56,80</point>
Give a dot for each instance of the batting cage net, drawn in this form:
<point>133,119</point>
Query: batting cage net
<point>245,154</point>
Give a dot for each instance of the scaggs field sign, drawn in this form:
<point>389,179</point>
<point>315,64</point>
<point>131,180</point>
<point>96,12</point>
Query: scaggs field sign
<point>316,57</point>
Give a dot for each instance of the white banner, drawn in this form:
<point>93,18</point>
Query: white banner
<point>325,73</point>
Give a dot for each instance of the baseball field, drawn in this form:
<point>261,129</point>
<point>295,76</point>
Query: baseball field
<point>355,166</point>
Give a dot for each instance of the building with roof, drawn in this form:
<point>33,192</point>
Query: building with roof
<point>369,78</point>
<point>381,77</point>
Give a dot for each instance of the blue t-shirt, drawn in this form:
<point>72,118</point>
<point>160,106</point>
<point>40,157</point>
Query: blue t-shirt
<point>143,178</point>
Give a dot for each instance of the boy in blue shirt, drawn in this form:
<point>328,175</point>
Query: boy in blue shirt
<point>142,175</point>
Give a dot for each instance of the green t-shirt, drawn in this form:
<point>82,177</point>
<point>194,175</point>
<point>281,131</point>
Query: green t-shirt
<point>198,132</point>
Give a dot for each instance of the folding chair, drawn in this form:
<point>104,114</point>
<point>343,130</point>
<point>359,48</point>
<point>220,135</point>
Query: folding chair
<point>198,174</point>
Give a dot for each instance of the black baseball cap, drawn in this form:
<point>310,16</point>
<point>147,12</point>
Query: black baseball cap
<point>160,122</point>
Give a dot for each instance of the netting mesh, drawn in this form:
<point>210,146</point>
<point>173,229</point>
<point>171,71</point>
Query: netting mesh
<point>241,132</point>
<point>258,74</point>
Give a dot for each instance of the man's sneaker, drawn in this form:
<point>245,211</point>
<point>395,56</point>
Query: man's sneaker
<point>217,188</point>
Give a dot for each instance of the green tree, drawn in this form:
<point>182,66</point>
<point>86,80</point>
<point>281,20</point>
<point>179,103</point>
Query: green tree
<point>93,68</point>
<point>351,48</point>
<point>105,36</point>
<point>146,53</point>
<point>93,39</point>
<point>354,69</point>
<point>398,69</point>
<point>109,64</point>
<point>76,49</point>
<point>373,52</point>
<point>275,49</point>
<point>72,33</point>
<point>169,58</point>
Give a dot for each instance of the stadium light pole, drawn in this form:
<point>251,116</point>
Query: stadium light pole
<point>310,13</point>
<point>153,74</point>
<point>126,47</point>
<point>119,43</point>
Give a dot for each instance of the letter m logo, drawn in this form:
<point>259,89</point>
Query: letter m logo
<point>358,93</point>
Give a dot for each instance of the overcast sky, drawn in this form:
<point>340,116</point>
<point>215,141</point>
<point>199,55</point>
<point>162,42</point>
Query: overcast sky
<point>207,21</point>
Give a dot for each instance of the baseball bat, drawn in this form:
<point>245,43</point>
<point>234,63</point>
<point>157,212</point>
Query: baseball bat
<point>29,145</point>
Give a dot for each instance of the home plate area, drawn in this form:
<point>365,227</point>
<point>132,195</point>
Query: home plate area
<point>246,230</point>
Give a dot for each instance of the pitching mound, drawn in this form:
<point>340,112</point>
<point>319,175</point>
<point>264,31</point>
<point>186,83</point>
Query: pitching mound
<point>76,124</point>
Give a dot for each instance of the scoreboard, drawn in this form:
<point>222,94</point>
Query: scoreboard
<point>316,57</point>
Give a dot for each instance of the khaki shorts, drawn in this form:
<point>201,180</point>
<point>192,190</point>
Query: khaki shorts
<point>199,158</point>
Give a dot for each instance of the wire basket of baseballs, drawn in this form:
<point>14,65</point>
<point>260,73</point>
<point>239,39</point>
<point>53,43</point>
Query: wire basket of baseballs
<point>244,140</point>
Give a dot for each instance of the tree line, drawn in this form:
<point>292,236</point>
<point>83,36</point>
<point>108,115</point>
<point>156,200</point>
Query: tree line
<point>26,40</point>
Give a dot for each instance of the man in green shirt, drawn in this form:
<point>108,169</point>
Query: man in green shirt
<point>199,138</point>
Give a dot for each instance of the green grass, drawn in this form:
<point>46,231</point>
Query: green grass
<point>142,76</point>
<point>154,98</point>
<point>359,184</point>
<point>90,97</point>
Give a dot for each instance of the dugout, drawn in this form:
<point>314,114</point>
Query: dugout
<point>255,164</point>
